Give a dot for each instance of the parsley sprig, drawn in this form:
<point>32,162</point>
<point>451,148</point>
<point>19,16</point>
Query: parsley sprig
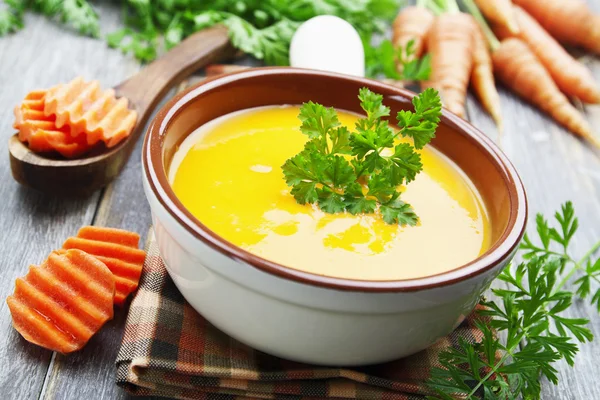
<point>11,16</point>
<point>75,13</point>
<point>261,28</point>
<point>529,314</point>
<point>361,171</point>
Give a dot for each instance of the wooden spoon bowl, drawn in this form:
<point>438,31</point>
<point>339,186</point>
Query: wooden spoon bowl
<point>53,174</point>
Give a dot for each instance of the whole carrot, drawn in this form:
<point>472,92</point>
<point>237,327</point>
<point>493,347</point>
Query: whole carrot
<point>450,43</point>
<point>569,21</point>
<point>519,68</point>
<point>482,77</point>
<point>499,12</point>
<point>412,23</point>
<point>571,76</point>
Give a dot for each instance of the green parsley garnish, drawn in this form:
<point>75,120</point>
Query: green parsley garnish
<point>361,171</point>
<point>525,332</point>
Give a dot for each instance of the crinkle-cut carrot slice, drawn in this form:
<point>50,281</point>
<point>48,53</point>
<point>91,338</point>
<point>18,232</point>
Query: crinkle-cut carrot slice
<point>62,303</point>
<point>36,95</point>
<point>127,277</point>
<point>43,140</point>
<point>30,124</point>
<point>118,123</point>
<point>118,250</point>
<point>39,131</point>
<point>110,235</point>
<point>106,249</point>
<point>29,115</point>
<point>86,109</point>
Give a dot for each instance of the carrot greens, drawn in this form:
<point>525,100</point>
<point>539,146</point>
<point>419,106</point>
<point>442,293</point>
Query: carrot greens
<point>383,58</point>
<point>335,162</point>
<point>529,314</point>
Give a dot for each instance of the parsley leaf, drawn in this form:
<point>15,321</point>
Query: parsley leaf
<point>78,14</point>
<point>360,205</point>
<point>317,120</point>
<point>372,104</point>
<point>270,43</point>
<point>340,140</point>
<point>338,173</point>
<point>406,163</point>
<point>364,140</point>
<point>305,192</point>
<point>81,16</point>
<point>330,201</point>
<point>11,17</point>
<point>306,166</point>
<point>421,124</point>
<point>398,212</point>
<point>380,188</point>
<point>336,163</point>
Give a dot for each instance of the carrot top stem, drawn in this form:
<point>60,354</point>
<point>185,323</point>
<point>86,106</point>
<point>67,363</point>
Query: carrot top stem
<point>452,6</point>
<point>448,6</point>
<point>433,6</point>
<point>480,19</point>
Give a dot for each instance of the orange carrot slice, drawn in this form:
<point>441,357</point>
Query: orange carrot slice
<point>86,109</point>
<point>71,118</point>
<point>110,235</point>
<point>62,142</point>
<point>62,303</point>
<point>118,250</point>
<point>29,115</point>
<point>39,131</point>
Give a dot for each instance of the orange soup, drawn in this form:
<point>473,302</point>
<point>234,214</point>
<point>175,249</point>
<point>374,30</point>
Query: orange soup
<point>228,175</point>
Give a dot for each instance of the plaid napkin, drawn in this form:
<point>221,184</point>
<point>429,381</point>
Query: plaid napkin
<point>170,350</point>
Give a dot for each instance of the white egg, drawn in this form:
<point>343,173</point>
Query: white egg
<point>328,43</point>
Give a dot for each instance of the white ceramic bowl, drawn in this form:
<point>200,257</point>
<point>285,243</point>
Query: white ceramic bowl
<point>302,316</point>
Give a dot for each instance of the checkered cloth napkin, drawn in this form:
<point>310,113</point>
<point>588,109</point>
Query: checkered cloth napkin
<point>170,350</point>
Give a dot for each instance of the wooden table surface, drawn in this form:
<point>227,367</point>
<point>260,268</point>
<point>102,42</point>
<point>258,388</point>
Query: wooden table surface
<point>554,166</point>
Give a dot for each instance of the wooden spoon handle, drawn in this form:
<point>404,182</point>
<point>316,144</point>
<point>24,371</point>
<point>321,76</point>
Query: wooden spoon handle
<point>146,88</point>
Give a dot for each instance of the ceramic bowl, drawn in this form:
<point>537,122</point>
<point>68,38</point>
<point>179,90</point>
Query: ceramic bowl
<point>303,316</point>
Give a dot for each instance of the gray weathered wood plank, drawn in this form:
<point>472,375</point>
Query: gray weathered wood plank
<point>123,205</point>
<point>582,180</point>
<point>34,224</point>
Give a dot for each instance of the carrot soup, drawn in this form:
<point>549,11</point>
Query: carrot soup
<point>228,175</point>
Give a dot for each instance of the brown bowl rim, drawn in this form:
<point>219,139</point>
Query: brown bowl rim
<point>157,178</point>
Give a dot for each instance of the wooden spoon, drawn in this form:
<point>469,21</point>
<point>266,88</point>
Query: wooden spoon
<point>85,175</point>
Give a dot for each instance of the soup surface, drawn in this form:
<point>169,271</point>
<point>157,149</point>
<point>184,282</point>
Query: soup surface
<point>228,174</point>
